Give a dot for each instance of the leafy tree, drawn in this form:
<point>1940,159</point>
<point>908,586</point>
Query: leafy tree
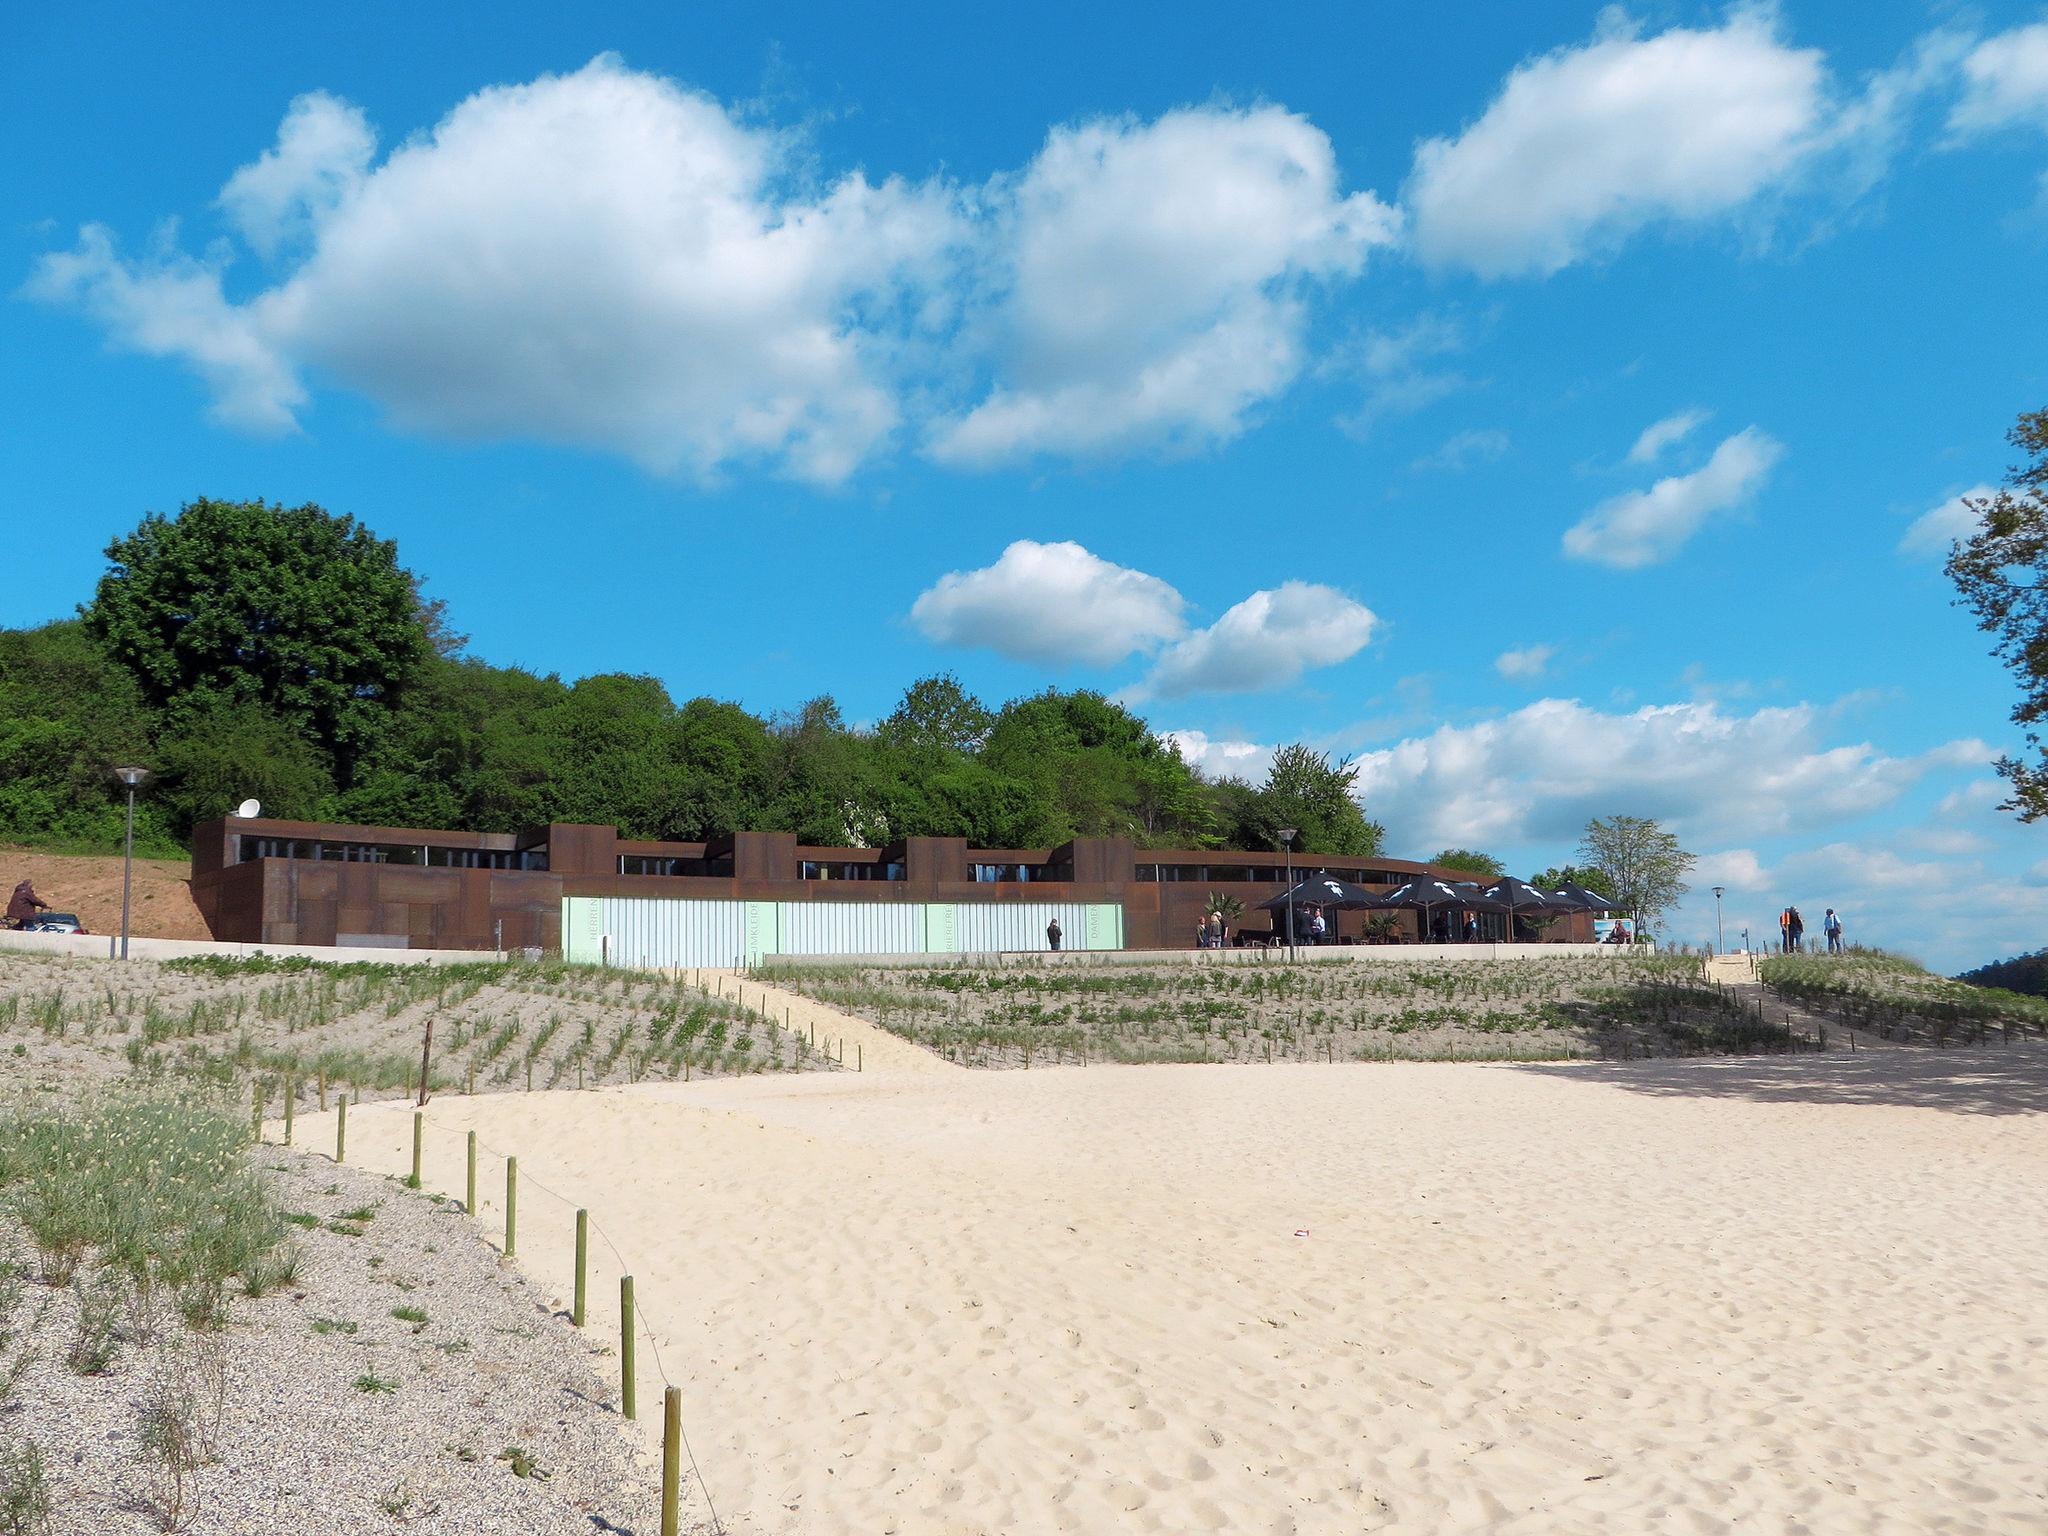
<point>295,609</point>
<point>2001,575</point>
<point>1482,864</point>
<point>1100,766</point>
<point>937,715</point>
<point>1645,867</point>
<point>613,746</point>
<point>1308,792</point>
<point>724,755</point>
<point>222,754</point>
<point>68,716</point>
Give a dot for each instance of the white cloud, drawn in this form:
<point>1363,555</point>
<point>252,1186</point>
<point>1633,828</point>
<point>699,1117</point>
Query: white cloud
<point>1221,758</point>
<point>599,258</point>
<point>1651,442</point>
<point>1153,279</point>
<point>1586,146</point>
<point>174,307</point>
<point>1462,450</point>
<point>1643,527</point>
<point>323,151</point>
<point>1940,526</point>
<point>1266,641</point>
<point>1527,661</point>
<point>1718,777</point>
<point>2005,82</point>
<point>1052,603</point>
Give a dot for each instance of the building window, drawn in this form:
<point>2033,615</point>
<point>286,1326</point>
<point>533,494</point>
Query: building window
<point>1002,874</point>
<point>656,864</point>
<point>850,869</point>
<point>322,850</point>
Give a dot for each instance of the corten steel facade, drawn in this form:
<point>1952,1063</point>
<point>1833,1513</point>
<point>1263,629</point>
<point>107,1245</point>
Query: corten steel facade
<point>264,881</point>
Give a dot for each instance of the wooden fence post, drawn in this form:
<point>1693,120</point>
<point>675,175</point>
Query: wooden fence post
<point>418,1132</point>
<point>628,1393</point>
<point>469,1190</point>
<point>671,1459</point>
<point>341,1129</point>
<point>291,1091</point>
<point>256,1110</point>
<point>582,1262</point>
<point>323,1090</point>
<point>511,1206</point>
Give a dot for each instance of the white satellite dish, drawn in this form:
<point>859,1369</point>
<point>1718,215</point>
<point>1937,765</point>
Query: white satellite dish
<point>249,808</point>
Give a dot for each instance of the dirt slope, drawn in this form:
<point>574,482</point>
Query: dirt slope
<point>90,885</point>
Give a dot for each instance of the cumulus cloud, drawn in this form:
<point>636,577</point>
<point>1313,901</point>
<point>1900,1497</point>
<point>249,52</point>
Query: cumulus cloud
<point>1643,527</point>
<point>1934,530</point>
<point>1052,603</point>
<point>1526,661</point>
<point>1266,641</point>
<point>1586,146</point>
<point>1223,757</point>
<point>323,151</point>
<point>2005,83</point>
<point>1718,777</point>
<point>1651,442</point>
<point>605,258</point>
<point>598,258</point>
<point>1152,280</point>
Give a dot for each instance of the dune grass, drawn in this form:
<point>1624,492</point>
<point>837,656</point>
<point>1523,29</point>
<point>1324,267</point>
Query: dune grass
<point>1899,999</point>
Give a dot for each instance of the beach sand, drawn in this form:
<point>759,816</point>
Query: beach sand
<point>1801,1294</point>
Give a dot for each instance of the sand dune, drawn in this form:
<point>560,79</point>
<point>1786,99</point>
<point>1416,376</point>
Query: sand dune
<point>1797,1295</point>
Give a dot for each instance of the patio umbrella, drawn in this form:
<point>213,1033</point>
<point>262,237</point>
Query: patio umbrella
<point>1323,891</point>
<point>1425,896</point>
<point>1520,897</point>
<point>1592,901</point>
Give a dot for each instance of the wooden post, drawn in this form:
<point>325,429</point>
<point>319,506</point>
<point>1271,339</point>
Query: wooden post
<point>469,1086</point>
<point>628,1397</point>
<point>426,1055</point>
<point>291,1091</point>
<point>419,1126</point>
<point>511,1206</point>
<point>341,1129</point>
<point>582,1263</point>
<point>256,1110</point>
<point>323,1090</point>
<point>857,1053</point>
<point>671,1459</point>
<point>469,1195</point>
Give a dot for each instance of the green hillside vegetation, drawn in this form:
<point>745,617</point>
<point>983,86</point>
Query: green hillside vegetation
<point>243,648</point>
<point>2022,973</point>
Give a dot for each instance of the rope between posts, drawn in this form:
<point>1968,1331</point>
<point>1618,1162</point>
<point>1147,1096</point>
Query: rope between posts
<point>639,1312</point>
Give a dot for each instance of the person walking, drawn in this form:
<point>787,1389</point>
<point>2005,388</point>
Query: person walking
<point>1785,932</point>
<point>1052,934</point>
<point>1831,925</point>
<point>1798,931</point>
<point>1316,926</point>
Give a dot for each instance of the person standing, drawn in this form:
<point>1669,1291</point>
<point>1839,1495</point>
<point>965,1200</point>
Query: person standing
<point>1052,934</point>
<point>1831,925</point>
<point>1785,932</point>
<point>1798,930</point>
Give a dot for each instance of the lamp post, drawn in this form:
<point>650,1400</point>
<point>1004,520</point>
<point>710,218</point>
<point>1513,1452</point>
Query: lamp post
<point>1287,844</point>
<point>130,777</point>
<point>1720,941</point>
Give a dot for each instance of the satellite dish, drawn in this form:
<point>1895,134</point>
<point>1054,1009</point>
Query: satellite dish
<point>249,808</point>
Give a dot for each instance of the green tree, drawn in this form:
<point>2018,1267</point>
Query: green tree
<point>227,752</point>
<point>1482,864</point>
<point>1574,874</point>
<point>68,716</point>
<point>937,715</point>
<point>1308,792</point>
<point>295,609</point>
<point>2001,575</point>
<point>1644,865</point>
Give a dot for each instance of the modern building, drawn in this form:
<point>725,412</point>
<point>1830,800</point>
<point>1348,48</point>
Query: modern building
<point>587,893</point>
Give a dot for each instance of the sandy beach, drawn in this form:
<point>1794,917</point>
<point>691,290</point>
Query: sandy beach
<point>1794,1295</point>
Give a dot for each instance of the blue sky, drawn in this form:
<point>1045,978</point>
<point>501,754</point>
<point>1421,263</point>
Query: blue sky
<point>1551,407</point>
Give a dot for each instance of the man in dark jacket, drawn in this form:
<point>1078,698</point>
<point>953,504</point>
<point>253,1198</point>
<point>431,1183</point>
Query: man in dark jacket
<point>24,903</point>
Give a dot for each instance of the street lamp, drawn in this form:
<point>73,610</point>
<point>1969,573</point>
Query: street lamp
<point>1287,843</point>
<point>130,777</point>
<point>1720,941</point>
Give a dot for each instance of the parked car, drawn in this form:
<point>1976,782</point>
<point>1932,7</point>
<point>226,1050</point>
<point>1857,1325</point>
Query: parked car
<point>53,922</point>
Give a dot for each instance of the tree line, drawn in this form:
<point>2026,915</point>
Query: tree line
<point>243,648</point>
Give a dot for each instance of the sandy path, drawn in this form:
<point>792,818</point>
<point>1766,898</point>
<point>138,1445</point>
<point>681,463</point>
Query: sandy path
<point>878,1049</point>
<point>1782,1295</point>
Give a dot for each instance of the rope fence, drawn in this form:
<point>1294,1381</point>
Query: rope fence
<point>633,1318</point>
